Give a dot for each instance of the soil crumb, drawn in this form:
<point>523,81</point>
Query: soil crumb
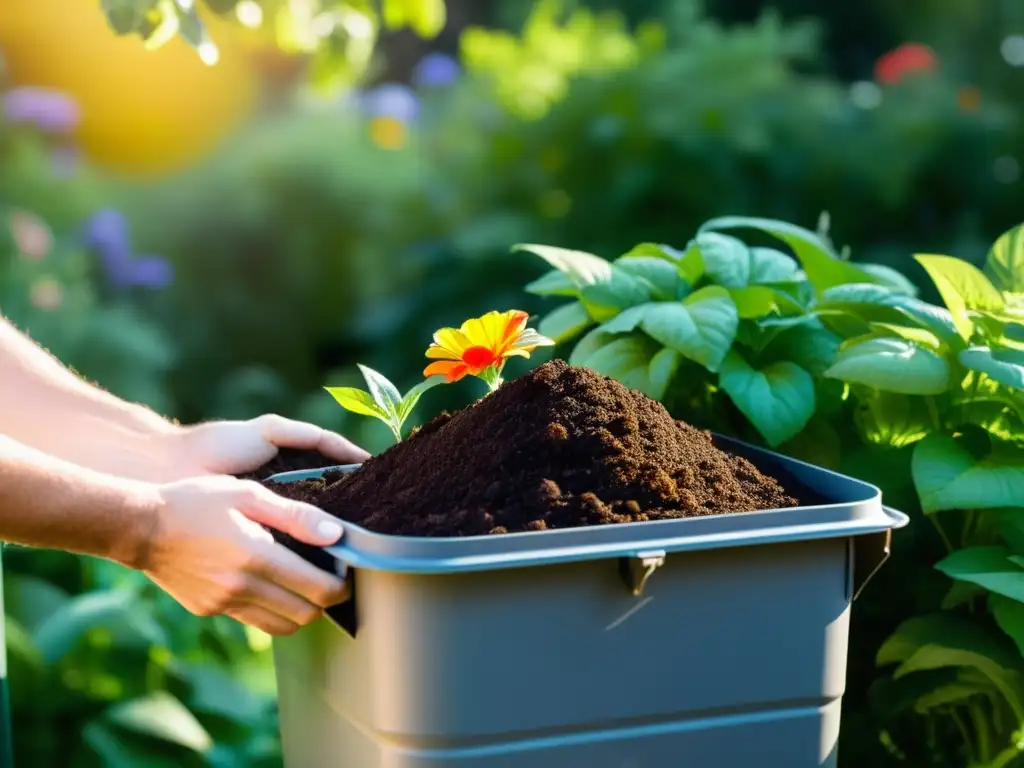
<point>558,447</point>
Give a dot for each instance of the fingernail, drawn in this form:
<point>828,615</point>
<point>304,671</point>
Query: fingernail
<point>329,530</point>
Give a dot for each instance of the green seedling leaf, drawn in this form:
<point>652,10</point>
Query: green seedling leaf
<point>553,283</point>
<point>822,265</point>
<point>691,264</point>
<point>412,397</point>
<point>963,287</point>
<point>637,362</point>
<point>1009,615</point>
<point>384,393</point>
<point>768,265</point>
<point>987,567</point>
<point>778,400</point>
<point>955,693</point>
<point>357,401</point>
<point>660,274</point>
<point>726,259</point>
<point>892,365</point>
<point>1005,262</point>
<point>604,289</point>
<point>1003,365</point>
<point>161,716</point>
<point>948,476</point>
<point>565,322</point>
<point>961,593</point>
<point>754,301</point>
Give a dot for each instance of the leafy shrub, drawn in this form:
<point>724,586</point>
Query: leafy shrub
<point>831,361</point>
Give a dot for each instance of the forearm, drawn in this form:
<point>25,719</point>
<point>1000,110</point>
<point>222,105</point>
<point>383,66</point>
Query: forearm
<point>50,503</point>
<point>49,408</point>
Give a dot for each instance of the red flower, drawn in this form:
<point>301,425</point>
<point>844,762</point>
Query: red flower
<point>904,60</point>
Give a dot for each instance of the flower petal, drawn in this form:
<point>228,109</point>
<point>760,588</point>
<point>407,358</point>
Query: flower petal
<point>435,352</point>
<point>529,339</point>
<point>515,322</point>
<point>453,340</point>
<point>452,370</point>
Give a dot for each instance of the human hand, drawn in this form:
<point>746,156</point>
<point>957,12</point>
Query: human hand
<point>208,551</point>
<point>237,447</point>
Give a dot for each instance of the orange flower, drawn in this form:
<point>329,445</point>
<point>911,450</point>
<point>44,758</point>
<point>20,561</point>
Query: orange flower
<point>482,343</point>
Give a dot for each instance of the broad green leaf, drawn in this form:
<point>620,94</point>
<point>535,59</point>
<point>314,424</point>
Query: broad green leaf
<point>963,287</point>
<point>918,335</point>
<point>553,283</point>
<point>1003,365</point>
<point>637,362</point>
<point>592,341</point>
<point>778,399</point>
<point>218,691</point>
<point>987,567</point>
<point>726,259</point>
<point>892,420</point>
<point>357,401</point>
<point>701,328</point>
<point>660,274</point>
<point>116,610</point>
<point>384,393</point>
<point>565,322</point>
<point>823,267</point>
<point>891,278</point>
<point>947,476</point>
<point>161,716</point>
<point>944,631</point>
<point>892,365</point>
<point>768,265</point>
<point>754,301</point>
<point>961,593</point>
<point>412,397</point>
<point>808,344</point>
<point>691,264</point>
<point>938,320</point>
<point>604,289</point>
<point>1005,262</point>
<point>857,293</point>
<point>1009,615</point>
<point>954,693</point>
<point>654,250</point>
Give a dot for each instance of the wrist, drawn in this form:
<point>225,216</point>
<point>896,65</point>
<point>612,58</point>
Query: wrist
<point>143,508</point>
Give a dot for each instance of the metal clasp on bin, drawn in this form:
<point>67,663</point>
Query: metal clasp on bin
<point>636,570</point>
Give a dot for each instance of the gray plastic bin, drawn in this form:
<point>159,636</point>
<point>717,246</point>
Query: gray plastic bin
<point>716,642</point>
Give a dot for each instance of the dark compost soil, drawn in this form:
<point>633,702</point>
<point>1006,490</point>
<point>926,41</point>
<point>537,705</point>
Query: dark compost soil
<point>559,447</point>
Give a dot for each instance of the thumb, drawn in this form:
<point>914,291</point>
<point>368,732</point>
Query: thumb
<point>299,520</point>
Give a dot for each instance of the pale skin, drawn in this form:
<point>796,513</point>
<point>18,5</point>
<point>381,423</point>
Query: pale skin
<point>86,472</point>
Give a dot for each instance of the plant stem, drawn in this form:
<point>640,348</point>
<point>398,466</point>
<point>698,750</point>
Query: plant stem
<point>964,734</point>
<point>941,532</point>
<point>933,411</point>
<point>981,731</point>
<point>1005,757</point>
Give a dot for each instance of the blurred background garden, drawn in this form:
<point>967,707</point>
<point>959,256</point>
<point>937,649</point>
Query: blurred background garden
<point>225,240</point>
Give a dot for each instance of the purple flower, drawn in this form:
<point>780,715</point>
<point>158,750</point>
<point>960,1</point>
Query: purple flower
<point>48,110</point>
<point>106,233</point>
<point>391,100</point>
<point>436,70</point>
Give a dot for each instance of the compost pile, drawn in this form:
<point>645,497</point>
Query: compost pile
<point>559,447</point>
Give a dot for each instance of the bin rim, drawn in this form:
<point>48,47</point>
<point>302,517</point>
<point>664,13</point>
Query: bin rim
<point>856,511</point>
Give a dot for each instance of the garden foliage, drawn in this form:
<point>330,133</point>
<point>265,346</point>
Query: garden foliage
<point>309,243</point>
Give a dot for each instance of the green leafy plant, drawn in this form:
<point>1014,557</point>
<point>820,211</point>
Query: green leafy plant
<point>791,336</point>
<point>382,400</point>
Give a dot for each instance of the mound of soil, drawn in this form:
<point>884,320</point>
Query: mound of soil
<point>559,447</point>
<point>289,460</point>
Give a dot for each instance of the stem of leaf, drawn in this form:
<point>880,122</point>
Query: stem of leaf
<point>981,731</point>
<point>942,533</point>
<point>933,411</point>
<point>964,734</point>
<point>1005,757</point>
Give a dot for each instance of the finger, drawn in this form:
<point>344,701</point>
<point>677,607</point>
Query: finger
<point>283,602</point>
<point>288,433</point>
<point>261,618</point>
<point>287,570</point>
<point>301,521</point>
